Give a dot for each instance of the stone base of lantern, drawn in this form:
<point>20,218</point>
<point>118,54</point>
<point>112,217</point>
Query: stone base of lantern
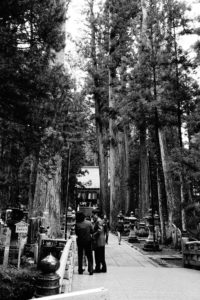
<point>47,285</point>
<point>132,238</point>
<point>151,244</point>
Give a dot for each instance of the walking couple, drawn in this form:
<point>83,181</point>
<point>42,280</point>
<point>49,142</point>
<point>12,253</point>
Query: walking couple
<point>91,237</point>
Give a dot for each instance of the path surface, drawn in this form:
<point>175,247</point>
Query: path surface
<point>132,276</point>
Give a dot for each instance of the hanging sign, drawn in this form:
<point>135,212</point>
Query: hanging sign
<point>22,227</point>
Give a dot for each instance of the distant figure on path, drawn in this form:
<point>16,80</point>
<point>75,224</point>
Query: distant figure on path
<point>84,231</point>
<point>99,240</point>
<point>120,229</point>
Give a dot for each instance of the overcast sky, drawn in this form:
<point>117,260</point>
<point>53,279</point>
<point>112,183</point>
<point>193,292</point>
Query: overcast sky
<point>75,23</point>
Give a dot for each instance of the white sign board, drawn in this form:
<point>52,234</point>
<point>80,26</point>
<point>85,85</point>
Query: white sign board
<point>21,227</point>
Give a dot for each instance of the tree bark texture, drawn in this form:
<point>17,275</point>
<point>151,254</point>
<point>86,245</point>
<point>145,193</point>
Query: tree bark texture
<point>101,126</point>
<point>114,161</point>
<point>47,196</point>
<point>144,201</point>
<point>126,172</point>
<point>118,160</point>
<point>118,147</point>
<point>167,175</point>
<point>183,216</point>
<point>123,167</point>
<point>32,180</point>
<point>115,176</point>
<point>162,212</point>
<point>103,169</point>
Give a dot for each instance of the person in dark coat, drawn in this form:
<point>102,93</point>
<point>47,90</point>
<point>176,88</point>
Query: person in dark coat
<point>100,241</point>
<point>106,227</point>
<point>84,231</point>
<point>120,229</point>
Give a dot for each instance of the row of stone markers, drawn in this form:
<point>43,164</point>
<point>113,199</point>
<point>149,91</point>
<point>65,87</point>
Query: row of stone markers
<point>23,240</point>
<point>20,238</point>
<point>149,228</point>
<point>21,229</point>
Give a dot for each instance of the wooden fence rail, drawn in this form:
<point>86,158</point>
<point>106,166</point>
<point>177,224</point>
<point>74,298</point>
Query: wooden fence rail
<point>93,294</point>
<point>66,268</point>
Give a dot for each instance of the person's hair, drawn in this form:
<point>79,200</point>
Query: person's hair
<point>80,216</point>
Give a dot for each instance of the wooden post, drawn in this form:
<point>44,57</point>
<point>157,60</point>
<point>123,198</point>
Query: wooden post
<point>36,252</point>
<point>20,249</point>
<point>7,247</point>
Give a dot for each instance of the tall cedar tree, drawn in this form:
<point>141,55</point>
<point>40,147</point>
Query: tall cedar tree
<point>34,95</point>
<point>96,84</point>
<point>120,16</point>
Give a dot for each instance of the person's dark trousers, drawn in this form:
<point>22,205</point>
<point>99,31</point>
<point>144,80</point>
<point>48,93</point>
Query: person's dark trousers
<point>99,254</point>
<point>88,252</point>
<point>106,237</point>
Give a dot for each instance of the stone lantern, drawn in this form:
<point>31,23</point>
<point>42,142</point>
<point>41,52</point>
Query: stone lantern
<point>69,215</point>
<point>132,238</point>
<point>142,232</point>
<point>151,243</point>
<point>68,222</point>
<point>73,222</point>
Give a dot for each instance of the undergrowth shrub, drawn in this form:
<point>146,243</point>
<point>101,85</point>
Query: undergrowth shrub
<point>17,284</point>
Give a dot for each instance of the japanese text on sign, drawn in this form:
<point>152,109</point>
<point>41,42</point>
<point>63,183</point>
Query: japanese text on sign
<point>21,227</point>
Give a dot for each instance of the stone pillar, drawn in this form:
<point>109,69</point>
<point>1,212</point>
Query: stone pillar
<point>48,281</point>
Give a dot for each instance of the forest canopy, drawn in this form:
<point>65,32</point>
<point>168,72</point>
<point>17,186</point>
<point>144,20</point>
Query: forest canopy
<point>135,113</point>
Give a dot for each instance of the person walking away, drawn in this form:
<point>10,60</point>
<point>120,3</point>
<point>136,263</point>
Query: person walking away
<point>120,229</point>
<point>106,227</point>
<point>99,239</point>
<point>84,231</point>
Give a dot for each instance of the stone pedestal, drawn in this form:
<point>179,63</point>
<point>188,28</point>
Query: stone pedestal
<point>48,281</point>
<point>151,243</point>
<point>132,238</point>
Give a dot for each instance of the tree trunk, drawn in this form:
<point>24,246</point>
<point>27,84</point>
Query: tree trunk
<point>114,163</point>
<point>101,127</point>
<point>162,212</point>
<point>183,216</point>
<point>183,185</point>
<point>144,201</point>
<point>126,172</point>
<point>122,161</point>
<point>103,169</point>
<point>31,188</point>
<point>115,192</point>
<point>47,196</point>
<point>167,175</point>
